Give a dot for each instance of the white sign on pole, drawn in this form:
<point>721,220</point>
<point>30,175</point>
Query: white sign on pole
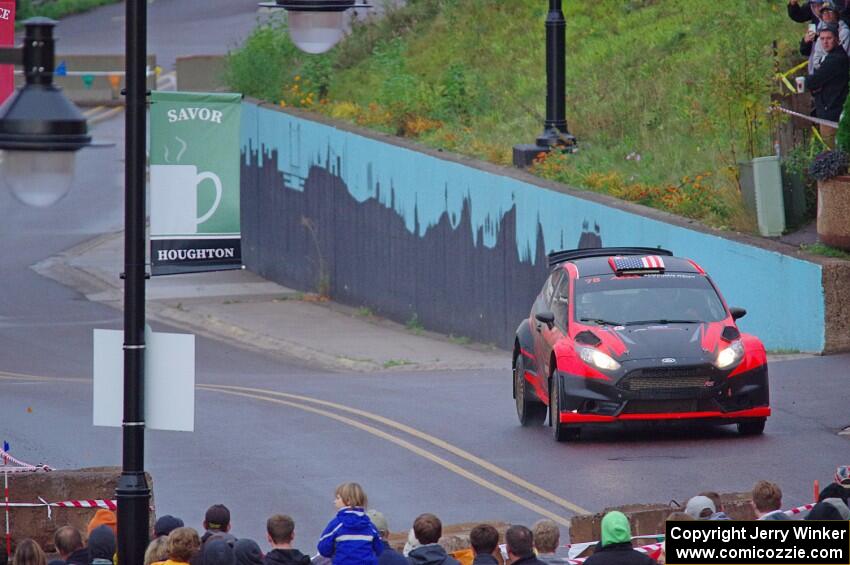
<point>169,380</point>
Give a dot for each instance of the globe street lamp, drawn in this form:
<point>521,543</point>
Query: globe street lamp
<point>315,26</point>
<point>40,129</point>
<point>555,132</point>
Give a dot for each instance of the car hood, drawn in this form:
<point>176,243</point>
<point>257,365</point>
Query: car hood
<point>693,342</point>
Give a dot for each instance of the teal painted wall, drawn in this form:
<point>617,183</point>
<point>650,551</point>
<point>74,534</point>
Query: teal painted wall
<point>421,189</point>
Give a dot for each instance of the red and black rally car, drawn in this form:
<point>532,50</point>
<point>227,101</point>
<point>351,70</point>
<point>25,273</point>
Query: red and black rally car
<point>624,334</point>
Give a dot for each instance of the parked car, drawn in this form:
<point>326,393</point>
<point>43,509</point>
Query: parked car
<point>635,334</point>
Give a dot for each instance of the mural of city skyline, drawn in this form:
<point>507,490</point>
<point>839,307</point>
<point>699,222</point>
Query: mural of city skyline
<point>461,246</point>
<point>363,253</point>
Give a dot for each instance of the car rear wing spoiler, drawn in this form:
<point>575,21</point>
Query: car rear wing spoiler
<point>558,257</point>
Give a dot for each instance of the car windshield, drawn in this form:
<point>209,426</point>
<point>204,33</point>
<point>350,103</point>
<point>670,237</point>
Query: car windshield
<point>662,298</point>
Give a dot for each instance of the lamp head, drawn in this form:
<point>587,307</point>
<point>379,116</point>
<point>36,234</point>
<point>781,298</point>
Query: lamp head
<point>315,26</point>
<point>40,129</point>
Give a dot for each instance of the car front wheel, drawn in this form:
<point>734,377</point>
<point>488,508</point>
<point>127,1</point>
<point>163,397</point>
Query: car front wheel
<point>561,432</point>
<point>752,427</point>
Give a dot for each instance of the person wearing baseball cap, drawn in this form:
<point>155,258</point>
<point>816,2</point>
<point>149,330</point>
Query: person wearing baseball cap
<point>700,508</point>
<point>389,556</point>
<point>216,521</point>
<point>166,524</point>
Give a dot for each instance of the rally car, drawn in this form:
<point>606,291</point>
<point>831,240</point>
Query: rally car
<point>625,334</point>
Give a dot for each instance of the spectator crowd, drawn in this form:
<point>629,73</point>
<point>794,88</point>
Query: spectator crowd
<point>357,535</point>
<point>826,44</point>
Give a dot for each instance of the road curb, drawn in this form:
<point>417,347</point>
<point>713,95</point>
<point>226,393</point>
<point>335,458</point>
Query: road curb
<point>65,268</point>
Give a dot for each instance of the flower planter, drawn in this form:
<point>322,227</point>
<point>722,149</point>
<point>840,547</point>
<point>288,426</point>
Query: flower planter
<point>834,212</point>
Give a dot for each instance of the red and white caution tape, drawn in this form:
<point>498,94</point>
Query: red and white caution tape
<point>19,466</point>
<point>805,117</point>
<point>90,503</point>
<point>575,549</point>
<point>98,503</point>
<point>653,549</point>
<point>799,510</point>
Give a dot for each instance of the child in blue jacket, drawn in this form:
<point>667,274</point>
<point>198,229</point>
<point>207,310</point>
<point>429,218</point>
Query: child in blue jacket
<point>351,538</point>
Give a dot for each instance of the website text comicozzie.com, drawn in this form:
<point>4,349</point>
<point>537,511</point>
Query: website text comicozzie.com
<point>758,543</point>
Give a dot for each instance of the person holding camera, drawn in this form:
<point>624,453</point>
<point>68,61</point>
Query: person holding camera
<point>810,47</point>
<point>829,82</point>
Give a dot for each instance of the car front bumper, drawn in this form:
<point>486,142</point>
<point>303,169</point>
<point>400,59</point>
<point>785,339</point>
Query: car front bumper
<point>721,398</point>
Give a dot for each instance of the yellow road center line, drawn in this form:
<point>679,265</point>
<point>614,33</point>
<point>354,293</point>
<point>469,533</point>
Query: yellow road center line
<point>106,115</point>
<point>9,376</point>
<point>507,475</point>
<point>92,111</point>
<point>463,454</point>
<point>406,445</point>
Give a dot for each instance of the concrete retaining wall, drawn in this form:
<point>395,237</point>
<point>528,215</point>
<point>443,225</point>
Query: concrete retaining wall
<point>648,519</point>
<point>460,245</point>
<point>201,73</point>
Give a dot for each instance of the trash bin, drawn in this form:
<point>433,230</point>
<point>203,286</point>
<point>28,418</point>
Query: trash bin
<point>761,185</point>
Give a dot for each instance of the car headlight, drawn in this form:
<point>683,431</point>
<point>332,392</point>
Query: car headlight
<point>598,359</point>
<point>730,355</point>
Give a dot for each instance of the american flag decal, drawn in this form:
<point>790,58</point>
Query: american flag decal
<point>635,263</point>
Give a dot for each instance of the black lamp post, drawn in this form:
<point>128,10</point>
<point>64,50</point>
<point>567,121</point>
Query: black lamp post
<point>40,130</point>
<point>315,26</point>
<point>133,492</point>
<point>555,132</point>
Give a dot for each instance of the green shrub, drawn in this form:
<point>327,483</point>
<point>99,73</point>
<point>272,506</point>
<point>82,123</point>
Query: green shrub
<point>842,137</point>
<point>266,62</point>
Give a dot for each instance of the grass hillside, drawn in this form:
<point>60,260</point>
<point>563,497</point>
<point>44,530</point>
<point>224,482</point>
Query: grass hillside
<point>665,97</point>
<point>55,9</point>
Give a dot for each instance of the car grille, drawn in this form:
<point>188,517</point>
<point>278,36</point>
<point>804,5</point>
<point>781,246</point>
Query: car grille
<point>666,382</point>
<point>670,406</point>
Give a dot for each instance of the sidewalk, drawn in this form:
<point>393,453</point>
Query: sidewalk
<point>241,308</point>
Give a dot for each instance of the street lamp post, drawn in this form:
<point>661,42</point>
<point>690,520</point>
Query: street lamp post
<point>133,492</point>
<point>555,134</point>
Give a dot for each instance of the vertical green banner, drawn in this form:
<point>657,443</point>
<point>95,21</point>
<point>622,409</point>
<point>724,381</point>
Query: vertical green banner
<point>194,182</point>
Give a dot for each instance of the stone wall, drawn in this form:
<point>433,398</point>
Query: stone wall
<point>58,486</point>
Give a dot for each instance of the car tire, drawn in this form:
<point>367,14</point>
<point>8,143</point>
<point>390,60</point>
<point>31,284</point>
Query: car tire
<point>530,412</point>
<point>561,432</point>
<point>752,427</point>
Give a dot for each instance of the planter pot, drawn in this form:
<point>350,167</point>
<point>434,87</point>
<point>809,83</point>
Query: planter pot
<point>834,212</point>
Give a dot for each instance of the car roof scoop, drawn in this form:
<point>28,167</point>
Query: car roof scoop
<point>587,337</point>
<point>730,333</point>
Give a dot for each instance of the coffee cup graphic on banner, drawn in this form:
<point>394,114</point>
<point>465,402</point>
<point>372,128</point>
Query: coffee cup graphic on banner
<point>174,198</point>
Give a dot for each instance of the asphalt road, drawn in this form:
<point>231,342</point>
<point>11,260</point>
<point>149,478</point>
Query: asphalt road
<point>175,28</point>
<point>259,453</point>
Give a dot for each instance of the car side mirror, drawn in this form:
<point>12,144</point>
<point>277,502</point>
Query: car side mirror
<point>737,313</point>
<point>547,318</point>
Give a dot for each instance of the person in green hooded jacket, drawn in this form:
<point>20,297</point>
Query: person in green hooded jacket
<point>616,544</point>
